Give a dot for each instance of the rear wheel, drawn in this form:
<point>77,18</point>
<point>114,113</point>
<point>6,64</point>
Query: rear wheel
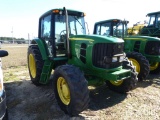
<point>154,67</point>
<point>71,89</point>
<point>35,63</point>
<point>123,86</point>
<point>141,63</point>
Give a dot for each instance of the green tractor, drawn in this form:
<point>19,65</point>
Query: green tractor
<point>76,60</point>
<point>135,46</point>
<point>150,28</point>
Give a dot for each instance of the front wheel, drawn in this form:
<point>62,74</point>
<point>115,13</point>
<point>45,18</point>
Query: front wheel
<point>71,89</point>
<point>123,86</point>
<point>141,63</point>
<point>154,67</point>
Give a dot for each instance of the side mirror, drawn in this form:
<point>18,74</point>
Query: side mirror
<point>3,53</point>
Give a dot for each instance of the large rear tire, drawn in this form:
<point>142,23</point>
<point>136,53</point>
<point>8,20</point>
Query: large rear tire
<point>154,67</point>
<point>125,85</point>
<point>35,64</point>
<point>71,89</point>
<point>141,63</point>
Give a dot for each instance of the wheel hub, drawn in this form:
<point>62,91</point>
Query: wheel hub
<point>136,64</point>
<point>116,83</point>
<point>63,90</point>
<point>32,65</point>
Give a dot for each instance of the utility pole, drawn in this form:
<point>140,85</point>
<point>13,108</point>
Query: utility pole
<point>12,36</point>
<point>28,39</point>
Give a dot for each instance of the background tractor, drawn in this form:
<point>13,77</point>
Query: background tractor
<point>135,30</point>
<point>78,60</point>
<point>149,28</point>
<point>147,46</point>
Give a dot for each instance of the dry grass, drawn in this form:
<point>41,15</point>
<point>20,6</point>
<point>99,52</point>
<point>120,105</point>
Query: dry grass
<point>17,55</point>
<point>15,64</point>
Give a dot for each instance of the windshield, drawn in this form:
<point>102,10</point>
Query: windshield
<point>118,29</point>
<point>76,25</point>
<point>103,29</point>
<point>151,20</point>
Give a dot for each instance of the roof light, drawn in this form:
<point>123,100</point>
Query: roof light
<point>115,20</point>
<point>56,11</point>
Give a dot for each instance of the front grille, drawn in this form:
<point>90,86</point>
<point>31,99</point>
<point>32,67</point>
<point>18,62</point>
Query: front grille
<point>101,51</point>
<point>152,48</point>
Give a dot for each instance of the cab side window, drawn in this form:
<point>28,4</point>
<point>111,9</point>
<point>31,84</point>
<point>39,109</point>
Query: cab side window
<point>46,27</point>
<point>46,33</point>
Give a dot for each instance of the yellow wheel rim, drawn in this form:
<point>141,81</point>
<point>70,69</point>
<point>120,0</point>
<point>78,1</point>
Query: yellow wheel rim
<point>63,90</point>
<point>154,65</point>
<point>32,65</point>
<point>135,63</point>
<point>116,83</point>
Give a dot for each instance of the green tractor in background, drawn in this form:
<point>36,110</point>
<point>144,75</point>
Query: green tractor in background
<point>149,28</point>
<point>135,46</point>
<point>78,60</point>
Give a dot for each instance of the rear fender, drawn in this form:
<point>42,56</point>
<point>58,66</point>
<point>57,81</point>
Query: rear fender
<point>42,48</point>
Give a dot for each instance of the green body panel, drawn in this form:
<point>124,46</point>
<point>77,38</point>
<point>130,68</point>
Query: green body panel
<point>42,48</point>
<point>130,42</point>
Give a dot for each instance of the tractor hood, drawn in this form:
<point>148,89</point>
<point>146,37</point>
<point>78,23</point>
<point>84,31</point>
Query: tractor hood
<point>142,38</point>
<point>97,38</point>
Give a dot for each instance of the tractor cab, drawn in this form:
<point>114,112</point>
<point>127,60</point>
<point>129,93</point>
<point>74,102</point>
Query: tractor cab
<point>112,27</point>
<point>154,19</point>
<point>153,27</point>
<point>52,30</point>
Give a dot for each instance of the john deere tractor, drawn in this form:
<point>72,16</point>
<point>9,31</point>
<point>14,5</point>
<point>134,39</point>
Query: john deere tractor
<point>135,46</point>
<point>149,28</point>
<point>77,59</point>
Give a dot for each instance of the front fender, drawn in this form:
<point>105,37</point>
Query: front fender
<point>42,47</point>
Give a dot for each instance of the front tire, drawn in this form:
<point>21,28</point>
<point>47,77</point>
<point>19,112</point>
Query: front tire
<point>125,85</point>
<point>35,64</point>
<point>71,89</point>
<point>141,63</point>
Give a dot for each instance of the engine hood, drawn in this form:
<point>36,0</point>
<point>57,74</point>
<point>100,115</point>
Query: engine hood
<point>97,38</point>
<point>142,38</point>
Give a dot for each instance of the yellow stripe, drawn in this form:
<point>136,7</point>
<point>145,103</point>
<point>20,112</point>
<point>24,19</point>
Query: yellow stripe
<point>135,39</point>
<point>81,39</point>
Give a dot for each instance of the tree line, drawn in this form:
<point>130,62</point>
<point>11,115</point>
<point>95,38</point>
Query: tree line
<point>10,38</point>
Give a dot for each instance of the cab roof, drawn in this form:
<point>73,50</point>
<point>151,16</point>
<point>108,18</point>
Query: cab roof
<point>153,13</point>
<point>103,21</point>
<point>70,12</point>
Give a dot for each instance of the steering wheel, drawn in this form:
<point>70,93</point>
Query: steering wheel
<point>62,35</point>
<point>63,32</point>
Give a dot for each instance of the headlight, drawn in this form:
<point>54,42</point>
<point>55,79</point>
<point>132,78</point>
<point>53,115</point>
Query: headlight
<point>114,59</point>
<point>121,58</point>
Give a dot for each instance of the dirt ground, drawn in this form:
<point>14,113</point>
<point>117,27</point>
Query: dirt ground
<point>26,101</point>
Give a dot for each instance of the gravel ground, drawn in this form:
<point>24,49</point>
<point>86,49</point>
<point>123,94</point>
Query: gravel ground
<point>26,101</point>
